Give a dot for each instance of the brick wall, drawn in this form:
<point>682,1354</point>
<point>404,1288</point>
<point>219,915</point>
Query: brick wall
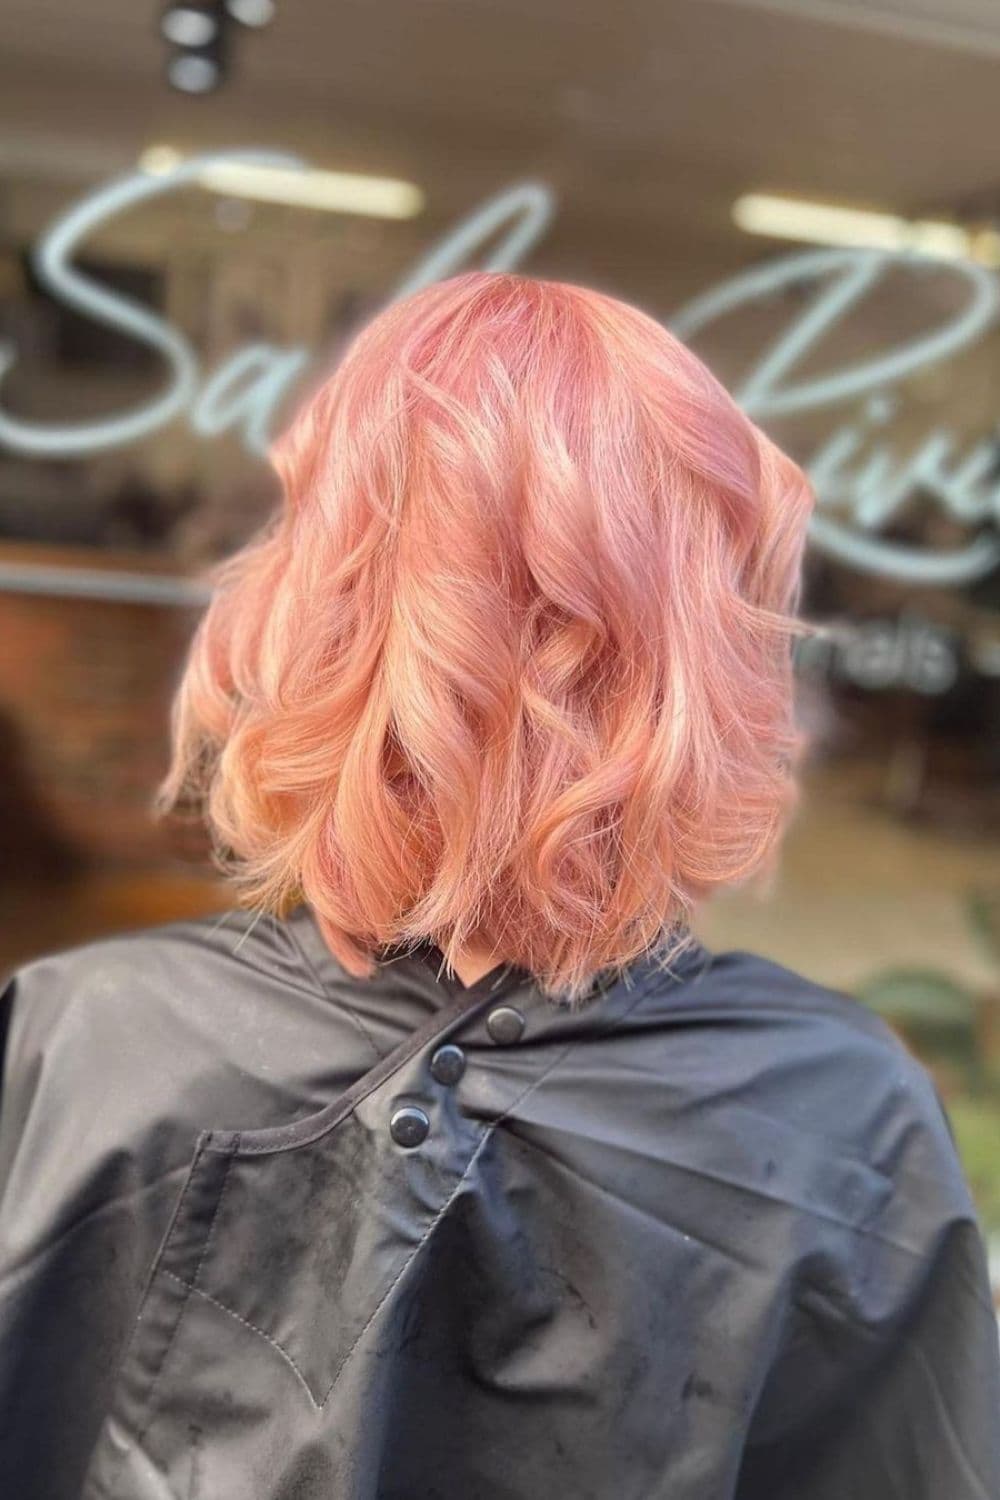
<point>85,687</point>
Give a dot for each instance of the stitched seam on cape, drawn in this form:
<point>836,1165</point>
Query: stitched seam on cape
<point>190,1287</point>
<point>353,1016</point>
<point>345,1005</point>
<point>174,1217</point>
<point>535,1083</point>
<point>320,1404</point>
<point>207,1296</point>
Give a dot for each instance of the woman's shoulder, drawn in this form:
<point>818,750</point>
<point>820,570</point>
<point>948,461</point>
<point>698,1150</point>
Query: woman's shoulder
<point>204,1022</point>
<point>157,983</point>
<point>752,995</point>
<point>764,986</point>
<point>821,1067</point>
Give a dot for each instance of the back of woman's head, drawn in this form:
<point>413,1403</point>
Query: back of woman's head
<point>513,658</point>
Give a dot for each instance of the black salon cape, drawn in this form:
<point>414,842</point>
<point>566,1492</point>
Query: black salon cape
<point>706,1237</point>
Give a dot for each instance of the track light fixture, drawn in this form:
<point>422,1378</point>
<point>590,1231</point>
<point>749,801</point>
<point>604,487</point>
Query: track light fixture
<point>195,70</point>
<point>198,32</point>
<point>253,13</point>
<point>191,25</point>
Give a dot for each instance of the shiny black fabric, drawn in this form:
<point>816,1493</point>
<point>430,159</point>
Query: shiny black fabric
<point>705,1238</point>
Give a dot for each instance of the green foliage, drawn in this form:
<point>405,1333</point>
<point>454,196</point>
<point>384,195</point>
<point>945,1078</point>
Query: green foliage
<point>936,1015</point>
<point>976,1123</point>
<point>924,996</point>
<point>939,1017</point>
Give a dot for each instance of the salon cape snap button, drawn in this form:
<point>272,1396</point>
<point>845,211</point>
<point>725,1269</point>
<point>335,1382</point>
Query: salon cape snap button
<point>505,1025</point>
<point>448,1063</point>
<point>408,1125</point>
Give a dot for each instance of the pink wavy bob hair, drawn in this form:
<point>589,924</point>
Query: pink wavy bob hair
<point>512,660</point>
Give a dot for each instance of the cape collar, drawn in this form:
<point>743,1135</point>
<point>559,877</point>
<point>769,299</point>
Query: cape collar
<point>421,966</point>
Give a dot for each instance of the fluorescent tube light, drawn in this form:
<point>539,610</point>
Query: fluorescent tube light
<point>157,161</point>
<point>830,224</point>
<point>334,192</point>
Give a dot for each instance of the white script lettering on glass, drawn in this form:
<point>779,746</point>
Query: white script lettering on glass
<point>872,492</point>
<point>247,388</point>
<point>854,472</point>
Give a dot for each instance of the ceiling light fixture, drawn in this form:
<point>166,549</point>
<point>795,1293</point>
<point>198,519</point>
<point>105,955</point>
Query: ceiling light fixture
<point>195,71</point>
<point>190,25</point>
<point>308,187</point>
<point>255,13</point>
<point>336,192</point>
<point>157,161</point>
<point>819,223</point>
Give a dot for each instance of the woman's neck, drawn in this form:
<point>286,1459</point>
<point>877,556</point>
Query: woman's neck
<point>473,960</point>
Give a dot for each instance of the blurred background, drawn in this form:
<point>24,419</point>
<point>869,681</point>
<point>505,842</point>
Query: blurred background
<point>807,191</point>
